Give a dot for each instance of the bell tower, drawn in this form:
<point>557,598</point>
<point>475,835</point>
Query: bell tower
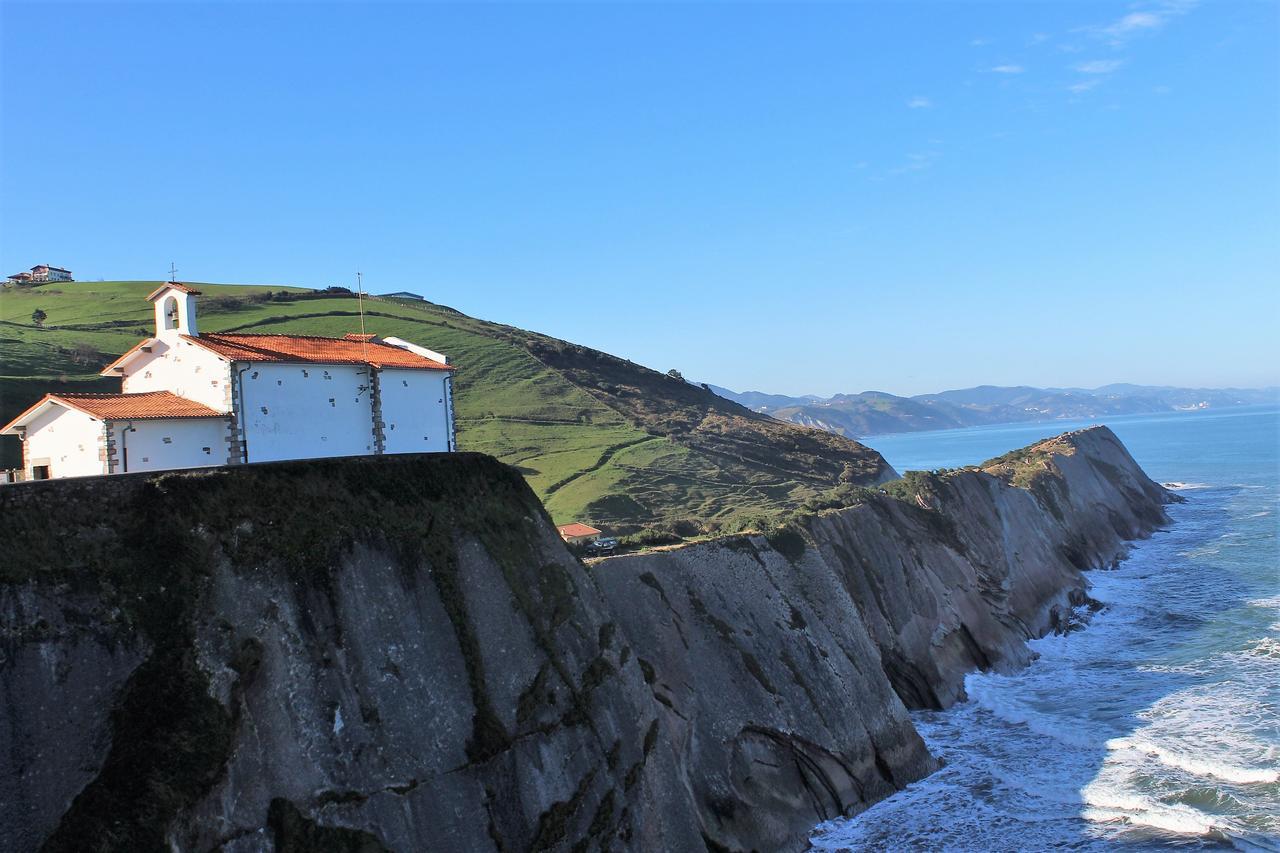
<point>175,305</point>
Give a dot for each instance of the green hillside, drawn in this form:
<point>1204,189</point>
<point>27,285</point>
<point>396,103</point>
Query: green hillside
<point>600,439</point>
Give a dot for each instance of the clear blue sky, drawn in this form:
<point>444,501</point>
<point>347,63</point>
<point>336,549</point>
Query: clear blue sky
<point>794,198</point>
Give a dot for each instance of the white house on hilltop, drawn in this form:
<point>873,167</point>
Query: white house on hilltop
<point>41,273</point>
<point>192,400</point>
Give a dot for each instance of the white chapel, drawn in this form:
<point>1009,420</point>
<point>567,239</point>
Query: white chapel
<point>191,400</point>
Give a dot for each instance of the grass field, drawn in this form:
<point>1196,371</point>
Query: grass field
<point>599,439</point>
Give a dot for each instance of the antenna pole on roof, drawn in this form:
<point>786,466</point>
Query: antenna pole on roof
<point>173,272</point>
<point>364,345</point>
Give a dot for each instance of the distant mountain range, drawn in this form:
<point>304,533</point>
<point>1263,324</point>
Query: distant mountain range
<point>877,413</point>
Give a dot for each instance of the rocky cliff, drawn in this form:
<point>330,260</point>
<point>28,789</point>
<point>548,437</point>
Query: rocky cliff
<point>398,653</point>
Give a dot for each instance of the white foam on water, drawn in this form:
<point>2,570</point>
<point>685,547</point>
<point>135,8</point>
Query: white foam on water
<point>1190,763</point>
<point>1157,725</point>
<point>1107,804</point>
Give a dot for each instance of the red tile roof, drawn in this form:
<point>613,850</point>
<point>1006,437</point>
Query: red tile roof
<point>574,530</point>
<point>148,404</point>
<point>178,286</point>
<point>306,349</point>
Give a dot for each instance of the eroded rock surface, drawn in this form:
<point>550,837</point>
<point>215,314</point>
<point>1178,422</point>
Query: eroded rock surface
<point>398,653</point>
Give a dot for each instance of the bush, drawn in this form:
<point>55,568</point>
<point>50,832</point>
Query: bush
<point>83,353</point>
<point>226,303</point>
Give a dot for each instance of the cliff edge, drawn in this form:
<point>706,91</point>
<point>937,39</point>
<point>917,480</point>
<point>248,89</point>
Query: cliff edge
<point>399,653</point>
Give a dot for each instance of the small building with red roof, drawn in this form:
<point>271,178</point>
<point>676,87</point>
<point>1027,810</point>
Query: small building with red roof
<point>578,534</point>
<point>190,399</point>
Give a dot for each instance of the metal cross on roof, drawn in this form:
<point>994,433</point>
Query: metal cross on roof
<point>173,272</point>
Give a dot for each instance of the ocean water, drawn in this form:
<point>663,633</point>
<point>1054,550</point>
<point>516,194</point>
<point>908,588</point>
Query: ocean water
<point>1156,726</point>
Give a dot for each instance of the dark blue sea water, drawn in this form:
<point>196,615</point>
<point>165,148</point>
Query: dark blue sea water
<point>1159,724</point>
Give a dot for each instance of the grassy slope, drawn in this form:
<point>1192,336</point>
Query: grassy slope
<point>598,438</point>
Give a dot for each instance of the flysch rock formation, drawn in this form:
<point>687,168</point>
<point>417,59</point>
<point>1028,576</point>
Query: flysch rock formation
<point>398,653</point>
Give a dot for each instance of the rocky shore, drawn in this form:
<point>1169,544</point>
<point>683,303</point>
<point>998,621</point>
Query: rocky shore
<point>399,653</point>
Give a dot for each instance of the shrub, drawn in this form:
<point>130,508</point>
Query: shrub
<point>226,303</point>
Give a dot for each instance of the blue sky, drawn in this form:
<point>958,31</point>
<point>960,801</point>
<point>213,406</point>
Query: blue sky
<point>793,198</point>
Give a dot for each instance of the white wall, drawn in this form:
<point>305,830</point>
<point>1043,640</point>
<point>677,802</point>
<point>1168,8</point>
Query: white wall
<point>71,441</point>
<point>185,369</point>
<point>294,411</point>
<point>165,443</point>
<point>415,416</point>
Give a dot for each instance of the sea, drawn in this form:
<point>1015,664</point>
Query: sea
<point>1158,724</point>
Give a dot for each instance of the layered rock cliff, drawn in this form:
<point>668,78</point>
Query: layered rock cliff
<point>398,653</point>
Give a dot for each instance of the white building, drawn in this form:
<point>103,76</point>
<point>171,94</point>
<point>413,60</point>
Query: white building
<point>192,400</point>
<point>41,273</point>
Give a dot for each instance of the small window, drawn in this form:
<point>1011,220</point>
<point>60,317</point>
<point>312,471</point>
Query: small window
<point>167,440</point>
<point>39,472</point>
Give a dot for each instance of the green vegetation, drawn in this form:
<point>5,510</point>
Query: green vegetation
<point>600,439</point>
<point>1026,465</point>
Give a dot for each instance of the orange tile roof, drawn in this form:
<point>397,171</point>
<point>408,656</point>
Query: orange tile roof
<point>307,349</point>
<point>182,288</point>
<point>575,529</point>
<point>141,406</point>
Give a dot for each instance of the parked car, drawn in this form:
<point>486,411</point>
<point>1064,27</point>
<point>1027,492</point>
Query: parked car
<point>603,545</point>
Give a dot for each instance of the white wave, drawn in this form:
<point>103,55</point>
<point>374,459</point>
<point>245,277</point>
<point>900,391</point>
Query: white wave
<point>1193,765</point>
<point>1267,648</point>
<point>1272,602</point>
<point>1182,487</point>
<point>1107,804</point>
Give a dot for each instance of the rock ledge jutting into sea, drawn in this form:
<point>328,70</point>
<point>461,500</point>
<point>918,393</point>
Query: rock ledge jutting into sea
<point>399,653</point>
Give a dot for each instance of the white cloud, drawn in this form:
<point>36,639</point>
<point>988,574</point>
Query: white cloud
<point>1132,23</point>
<point>979,42</point>
<point>1099,66</point>
<point>919,102</point>
<point>1084,85</point>
<point>1144,20</point>
<point>1008,69</point>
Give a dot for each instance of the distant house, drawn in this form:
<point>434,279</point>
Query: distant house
<point>578,534</point>
<point>42,273</point>
<point>403,294</point>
